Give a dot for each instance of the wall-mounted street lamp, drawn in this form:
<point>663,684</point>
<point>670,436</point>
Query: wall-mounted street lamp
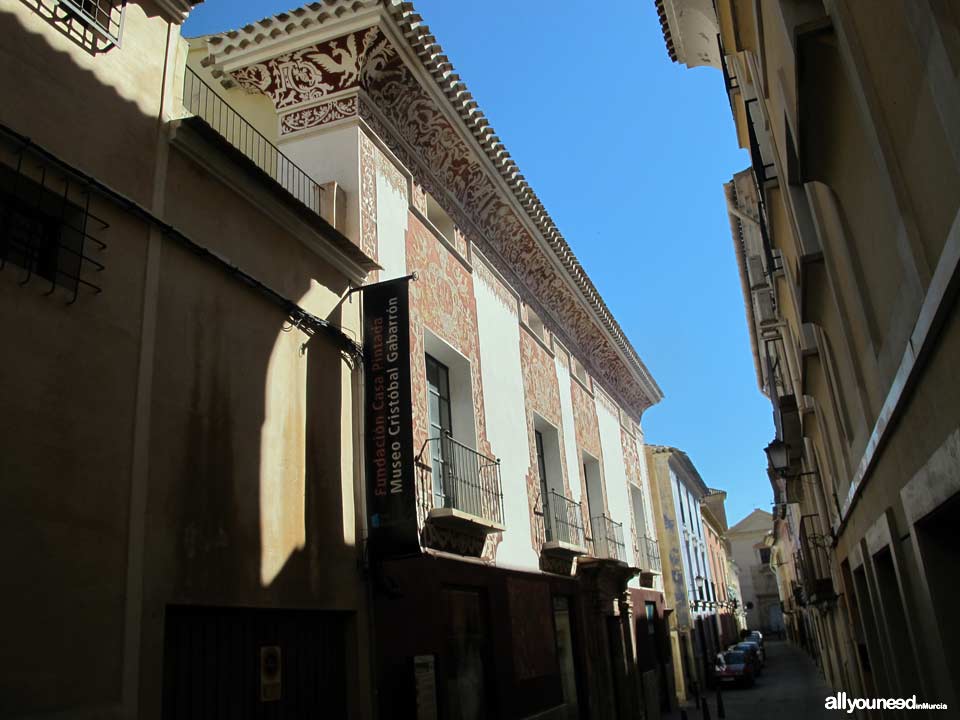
<point>777,455</point>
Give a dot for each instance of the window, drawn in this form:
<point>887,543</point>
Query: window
<point>764,556</point>
<point>579,372</point>
<point>536,324</point>
<point>562,518</point>
<point>640,522</point>
<point>651,610</point>
<point>43,232</point>
<point>103,17</point>
<point>439,218</point>
<point>541,466</point>
<point>438,402</point>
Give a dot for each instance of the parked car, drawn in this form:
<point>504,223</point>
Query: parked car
<point>756,636</point>
<point>760,651</point>
<point>734,666</point>
<point>752,651</point>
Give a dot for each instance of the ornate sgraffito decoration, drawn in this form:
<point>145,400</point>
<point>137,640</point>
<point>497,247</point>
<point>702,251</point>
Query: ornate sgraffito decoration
<point>405,116</point>
<point>541,396</point>
<point>443,302</point>
<point>368,196</point>
<point>631,463</point>
<point>315,72</point>
<point>317,115</point>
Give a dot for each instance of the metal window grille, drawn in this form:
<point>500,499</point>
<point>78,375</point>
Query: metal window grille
<point>103,17</point>
<point>46,226</point>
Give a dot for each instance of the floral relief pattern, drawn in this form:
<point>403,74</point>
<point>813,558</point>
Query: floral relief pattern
<point>587,432</point>
<point>390,172</point>
<point>368,197</point>
<point>442,301</point>
<point>314,72</point>
<point>318,115</point>
<point>631,463</point>
<point>482,272</point>
<point>444,164</point>
<point>541,394</point>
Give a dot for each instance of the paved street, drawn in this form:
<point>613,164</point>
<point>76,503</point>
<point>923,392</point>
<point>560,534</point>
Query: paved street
<point>791,688</point>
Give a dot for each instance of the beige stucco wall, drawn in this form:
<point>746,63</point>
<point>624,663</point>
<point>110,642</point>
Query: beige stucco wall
<point>249,498</point>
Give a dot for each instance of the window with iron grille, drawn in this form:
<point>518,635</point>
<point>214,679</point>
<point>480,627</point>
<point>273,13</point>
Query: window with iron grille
<point>104,17</point>
<point>46,225</point>
<point>93,24</point>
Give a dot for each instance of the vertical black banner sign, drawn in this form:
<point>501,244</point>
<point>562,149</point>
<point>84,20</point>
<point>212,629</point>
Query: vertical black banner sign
<point>389,418</point>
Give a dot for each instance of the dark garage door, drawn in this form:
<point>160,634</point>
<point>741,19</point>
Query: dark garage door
<point>257,664</point>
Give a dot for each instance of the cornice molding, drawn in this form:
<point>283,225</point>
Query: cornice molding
<point>176,11</point>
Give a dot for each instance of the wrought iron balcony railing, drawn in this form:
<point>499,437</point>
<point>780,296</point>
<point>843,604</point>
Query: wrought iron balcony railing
<point>563,520</point>
<point>463,479</point>
<point>815,572</point>
<point>203,101</point>
<point>649,554</point>
<point>608,538</point>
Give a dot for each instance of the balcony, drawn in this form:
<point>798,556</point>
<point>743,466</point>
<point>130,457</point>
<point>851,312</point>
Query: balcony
<point>461,487</point>
<point>202,101</point>
<point>608,539</point>
<point>563,526</point>
<point>648,558</point>
<point>816,579</point>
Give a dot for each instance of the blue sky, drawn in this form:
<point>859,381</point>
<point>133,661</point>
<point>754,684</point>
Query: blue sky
<point>628,152</point>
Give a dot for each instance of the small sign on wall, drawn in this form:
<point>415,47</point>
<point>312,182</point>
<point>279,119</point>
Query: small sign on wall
<point>271,687</point>
<point>425,677</point>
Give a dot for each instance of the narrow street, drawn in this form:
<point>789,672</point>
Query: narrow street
<point>791,688</point>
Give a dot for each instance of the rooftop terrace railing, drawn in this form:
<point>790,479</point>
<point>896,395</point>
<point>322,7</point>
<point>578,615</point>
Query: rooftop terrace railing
<point>204,102</point>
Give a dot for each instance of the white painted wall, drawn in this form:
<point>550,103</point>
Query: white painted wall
<point>392,214</point>
<point>332,154</point>
<point>615,474</point>
<point>569,429</point>
<point>503,401</point>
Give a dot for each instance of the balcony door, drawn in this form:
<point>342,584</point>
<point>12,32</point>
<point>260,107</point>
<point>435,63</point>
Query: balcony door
<point>544,493</point>
<point>438,402</point>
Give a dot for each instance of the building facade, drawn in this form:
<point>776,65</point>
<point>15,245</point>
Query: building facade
<point>181,489</point>
<point>751,542</point>
<point>339,425</point>
<point>724,597</point>
<point>513,562</point>
<point>688,578</point>
<point>847,230</point>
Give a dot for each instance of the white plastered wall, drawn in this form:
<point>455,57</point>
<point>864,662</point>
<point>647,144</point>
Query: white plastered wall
<point>392,213</point>
<point>501,374</point>
<point>328,155</point>
<point>615,474</point>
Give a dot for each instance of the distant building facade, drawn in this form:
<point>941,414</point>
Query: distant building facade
<point>688,576</point>
<point>846,228</point>
<point>723,594</point>
<point>751,541</point>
